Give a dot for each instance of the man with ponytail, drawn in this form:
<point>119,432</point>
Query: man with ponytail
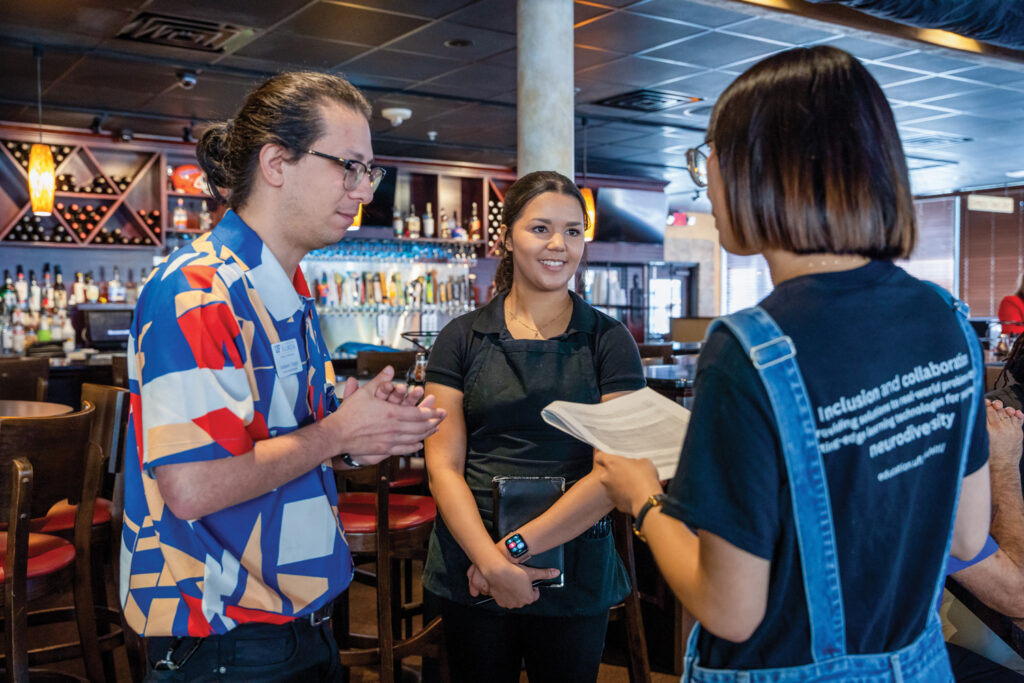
<point>232,551</point>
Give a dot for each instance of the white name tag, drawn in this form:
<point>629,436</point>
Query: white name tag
<point>286,357</point>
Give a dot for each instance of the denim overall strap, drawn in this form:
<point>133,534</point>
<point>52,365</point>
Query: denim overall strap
<point>774,357</point>
<point>974,351</point>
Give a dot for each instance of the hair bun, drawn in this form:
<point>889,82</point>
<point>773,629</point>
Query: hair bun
<point>211,153</point>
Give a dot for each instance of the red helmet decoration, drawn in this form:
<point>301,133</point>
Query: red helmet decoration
<point>189,178</point>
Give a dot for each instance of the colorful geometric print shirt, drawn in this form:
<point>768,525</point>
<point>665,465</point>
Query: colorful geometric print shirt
<point>226,350</point>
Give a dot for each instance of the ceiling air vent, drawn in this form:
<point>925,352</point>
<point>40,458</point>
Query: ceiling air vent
<point>183,32</point>
<point>647,100</point>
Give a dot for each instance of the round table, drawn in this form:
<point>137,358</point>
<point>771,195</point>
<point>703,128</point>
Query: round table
<point>32,409</point>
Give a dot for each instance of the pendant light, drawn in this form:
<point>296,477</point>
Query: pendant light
<point>42,178</point>
<point>588,194</point>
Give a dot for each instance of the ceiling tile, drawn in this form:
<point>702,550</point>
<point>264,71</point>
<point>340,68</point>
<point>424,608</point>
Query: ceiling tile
<point>493,15</point>
<point>638,72</point>
<point>431,10</point>
<point>887,74</point>
<point>597,135</point>
<point>350,24</point>
<point>709,84</point>
<point>423,107</point>
<point>92,18</point>
<point>237,12</point>
<point>132,77</point>
<point>907,113</point>
<point>18,75</point>
<point>586,57</point>
<point>308,52</point>
<point>930,62</point>
<point>393,63</point>
<point>965,126</point>
<point>481,79</point>
<point>782,31</point>
<point>582,12</point>
<point>867,49</point>
<point>982,98</point>
<point>715,50</point>
<point>692,12</point>
<point>994,75</point>
<point>927,88</point>
<point>628,33</point>
<point>431,40</point>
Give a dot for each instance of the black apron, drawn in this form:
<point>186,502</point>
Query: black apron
<point>507,385</point>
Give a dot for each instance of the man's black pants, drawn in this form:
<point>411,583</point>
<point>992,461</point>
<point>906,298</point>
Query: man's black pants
<point>254,653</point>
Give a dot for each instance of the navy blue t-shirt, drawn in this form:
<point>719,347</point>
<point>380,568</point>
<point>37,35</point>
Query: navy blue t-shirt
<point>889,379</point>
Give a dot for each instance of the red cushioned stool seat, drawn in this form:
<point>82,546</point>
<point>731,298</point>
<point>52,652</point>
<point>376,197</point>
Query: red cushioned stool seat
<point>359,516</point>
<point>411,471</point>
<point>46,555</point>
<point>61,517</point>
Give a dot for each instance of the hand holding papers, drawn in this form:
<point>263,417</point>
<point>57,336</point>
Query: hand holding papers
<point>643,424</point>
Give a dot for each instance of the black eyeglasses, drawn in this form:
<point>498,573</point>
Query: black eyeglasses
<point>355,170</point>
<point>697,163</point>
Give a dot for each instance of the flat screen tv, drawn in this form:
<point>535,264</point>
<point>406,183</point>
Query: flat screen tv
<point>378,212</point>
<point>630,215</point>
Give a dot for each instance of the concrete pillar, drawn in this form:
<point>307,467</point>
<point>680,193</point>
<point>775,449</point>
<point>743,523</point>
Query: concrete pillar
<point>544,37</point>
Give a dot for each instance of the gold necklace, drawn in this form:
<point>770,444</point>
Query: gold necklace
<point>536,332</point>
<point>853,261</point>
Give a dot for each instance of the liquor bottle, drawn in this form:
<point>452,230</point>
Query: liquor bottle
<point>35,293</point>
<point>455,230</point>
<point>44,334</point>
<point>92,290</point>
<point>8,296</point>
<point>412,223</point>
<point>428,222</point>
<point>115,289</point>
<point>21,287</point>
<point>474,225</point>
<point>180,216</point>
<point>130,293</point>
<point>397,224</point>
<point>60,294</point>
<point>444,230</point>
<point>78,289</point>
<point>205,219</point>
<point>140,283</point>
<point>6,337</point>
<point>48,291</point>
<point>68,332</point>
<point>18,338</point>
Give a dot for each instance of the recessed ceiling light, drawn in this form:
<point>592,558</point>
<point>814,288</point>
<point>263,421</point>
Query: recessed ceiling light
<point>458,42</point>
<point>1016,174</point>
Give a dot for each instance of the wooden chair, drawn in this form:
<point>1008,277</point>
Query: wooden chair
<point>24,379</point>
<point>119,370</point>
<point>409,520</point>
<point>50,459</point>
<point>662,353</point>
<point>628,611</point>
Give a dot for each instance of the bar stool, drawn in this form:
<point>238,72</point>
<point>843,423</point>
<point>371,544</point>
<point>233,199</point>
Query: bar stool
<point>409,520</point>
<point>628,611</point>
<point>24,379</point>
<point>42,461</point>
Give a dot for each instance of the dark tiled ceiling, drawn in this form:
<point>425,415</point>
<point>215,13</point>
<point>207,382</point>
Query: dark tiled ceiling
<point>961,116</point>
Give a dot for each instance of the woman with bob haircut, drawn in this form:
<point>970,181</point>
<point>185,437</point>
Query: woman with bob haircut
<point>819,490</point>
<point>494,369</point>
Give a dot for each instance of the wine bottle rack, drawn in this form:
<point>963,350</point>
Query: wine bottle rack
<point>95,201</point>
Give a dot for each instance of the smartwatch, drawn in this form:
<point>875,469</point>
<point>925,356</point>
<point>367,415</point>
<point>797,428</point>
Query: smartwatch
<point>654,501</point>
<point>350,461</point>
<point>516,546</point>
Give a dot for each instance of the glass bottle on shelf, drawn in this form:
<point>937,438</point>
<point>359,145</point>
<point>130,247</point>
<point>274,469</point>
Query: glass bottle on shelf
<point>60,293</point>
<point>428,222</point>
<point>412,223</point>
<point>397,224</point>
<point>180,216</point>
<point>78,289</point>
<point>21,287</point>
<point>115,289</point>
<point>48,291</point>
<point>444,229</point>
<point>474,225</point>
<point>35,293</point>
<point>92,290</point>
<point>205,219</point>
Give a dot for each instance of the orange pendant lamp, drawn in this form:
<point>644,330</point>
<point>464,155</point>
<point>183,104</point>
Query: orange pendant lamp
<point>588,194</point>
<point>42,175</point>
